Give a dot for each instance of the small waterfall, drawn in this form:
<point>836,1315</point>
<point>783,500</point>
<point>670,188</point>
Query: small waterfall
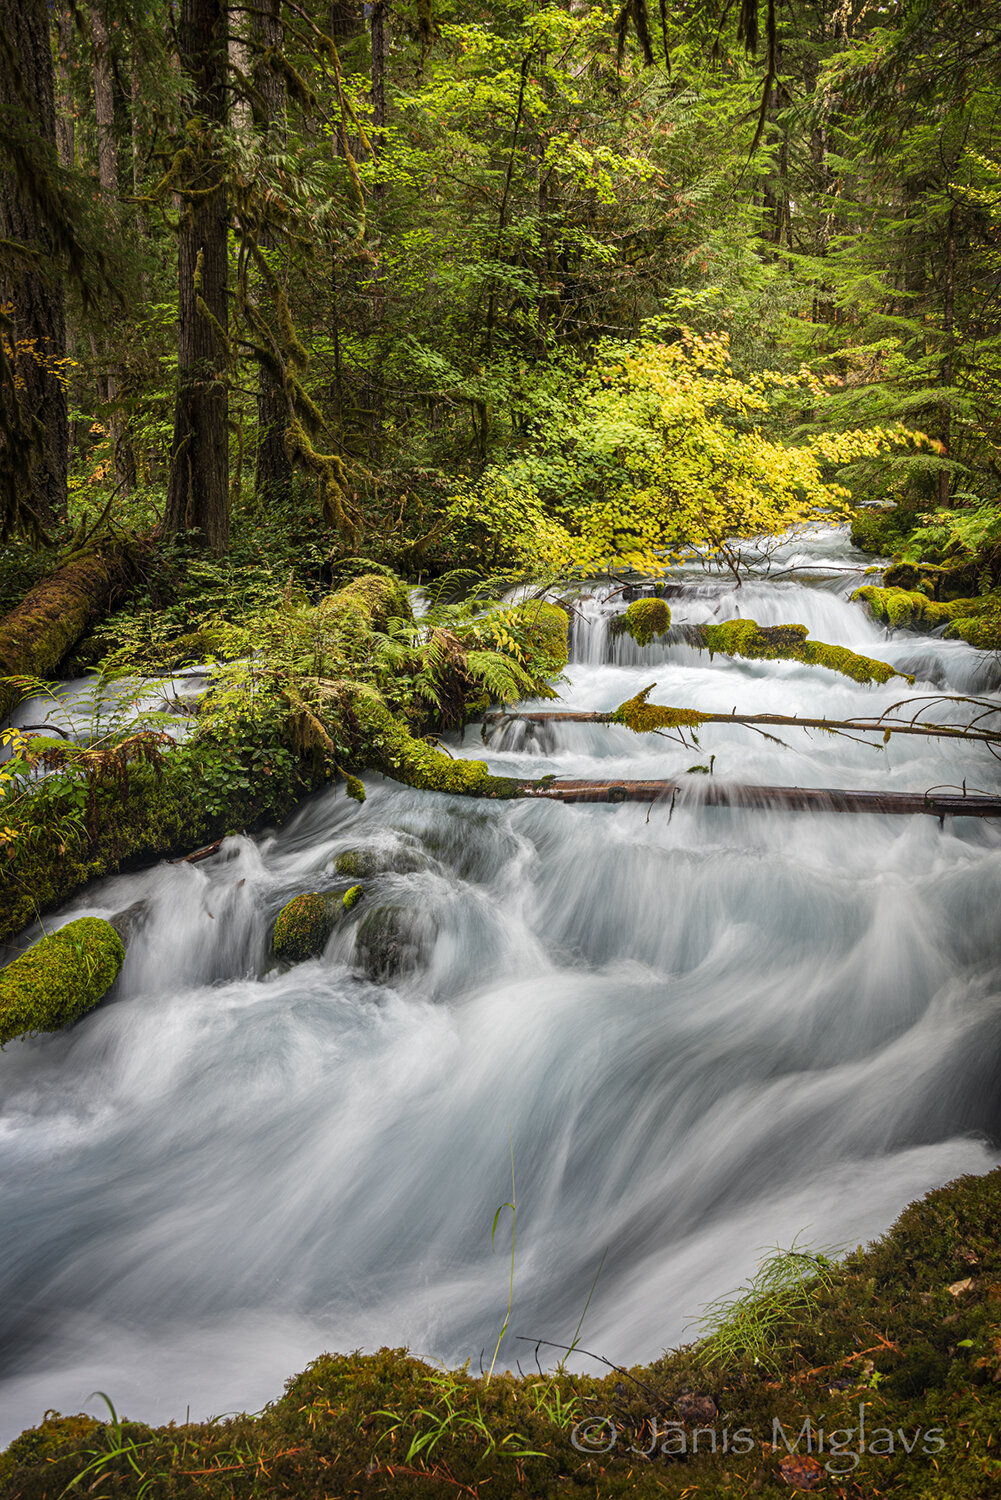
<point>702,1030</point>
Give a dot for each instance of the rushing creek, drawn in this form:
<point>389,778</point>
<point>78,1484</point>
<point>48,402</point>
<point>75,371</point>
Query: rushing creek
<point>699,1032</point>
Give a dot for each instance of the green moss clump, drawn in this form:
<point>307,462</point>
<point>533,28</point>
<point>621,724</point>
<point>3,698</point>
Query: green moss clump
<point>356,863</point>
<point>645,618</point>
<point>352,896</point>
<point>770,642</point>
<point>60,978</point>
<point>378,596</point>
<point>907,609</point>
<point>982,630</point>
<point>641,717</point>
<point>302,927</point>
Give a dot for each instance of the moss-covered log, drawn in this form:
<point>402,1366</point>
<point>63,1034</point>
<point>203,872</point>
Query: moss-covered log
<point>59,978</point>
<point>46,625</point>
<point>773,642</point>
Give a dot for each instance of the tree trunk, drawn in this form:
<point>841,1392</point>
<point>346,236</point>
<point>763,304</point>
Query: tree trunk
<point>948,321</point>
<point>104,108</point>
<point>65,122</point>
<point>37,308</point>
<point>273,473</point>
<point>198,490</point>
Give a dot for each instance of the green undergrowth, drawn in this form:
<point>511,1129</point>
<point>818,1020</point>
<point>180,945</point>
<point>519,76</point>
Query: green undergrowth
<point>350,684</point>
<point>902,1339</point>
<point>59,978</point>
<point>771,642</point>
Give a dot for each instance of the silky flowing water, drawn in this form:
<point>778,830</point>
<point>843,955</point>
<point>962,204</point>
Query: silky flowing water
<point>700,1032</point>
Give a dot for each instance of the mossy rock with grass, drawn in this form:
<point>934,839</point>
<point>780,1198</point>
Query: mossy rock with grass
<point>546,627</point>
<point>982,630</point>
<point>303,926</point>
<point>59,978</point>
<point>646,618</point>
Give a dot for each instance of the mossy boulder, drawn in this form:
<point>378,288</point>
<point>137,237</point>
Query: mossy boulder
<point>60,978</point>
<point>645,618</point>
<point>908,609</point>
<point>982,630</point>
<point>303,927</point>
<point>357,863</point>
<point>376,598</point>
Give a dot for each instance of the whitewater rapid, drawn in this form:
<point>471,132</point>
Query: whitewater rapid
<point>700,1032</point>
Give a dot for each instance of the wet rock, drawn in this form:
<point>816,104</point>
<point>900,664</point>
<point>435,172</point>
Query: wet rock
<point>129,922</point>
<point>393,940</point>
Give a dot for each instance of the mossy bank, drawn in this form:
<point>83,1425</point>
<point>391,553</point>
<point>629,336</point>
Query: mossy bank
<point>890,1372</point>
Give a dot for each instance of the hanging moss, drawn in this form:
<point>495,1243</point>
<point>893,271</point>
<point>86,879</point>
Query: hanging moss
<point>645,618</point>
<point>772,642</point>
<point>303,927</point>
<point>59,978</point>
<point>641,717</point>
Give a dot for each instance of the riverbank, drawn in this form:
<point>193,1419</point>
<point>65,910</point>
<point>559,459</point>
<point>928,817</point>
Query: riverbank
<point>879,1377</point>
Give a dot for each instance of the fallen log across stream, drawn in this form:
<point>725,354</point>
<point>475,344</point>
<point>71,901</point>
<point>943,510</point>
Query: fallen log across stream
<point>683,718</point>
<point>791,798</point>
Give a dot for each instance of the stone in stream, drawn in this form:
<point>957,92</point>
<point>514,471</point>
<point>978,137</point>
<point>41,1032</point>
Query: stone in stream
<point>393,940</point>
<point>59,978</point>
<point>304,924</point>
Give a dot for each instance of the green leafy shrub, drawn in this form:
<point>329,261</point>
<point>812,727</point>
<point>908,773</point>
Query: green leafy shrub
<point>60,977</point>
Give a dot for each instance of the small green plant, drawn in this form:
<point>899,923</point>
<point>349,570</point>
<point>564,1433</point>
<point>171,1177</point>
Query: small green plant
<point>450,1416</point>
<point>104,1461</point>
<point>754,1322</point>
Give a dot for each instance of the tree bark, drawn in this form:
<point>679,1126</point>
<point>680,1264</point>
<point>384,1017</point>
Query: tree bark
<point>273,473</point>
<point>36,299</point>
<point>198,489</point>
<point>104,108</point>
<point>65,122</point>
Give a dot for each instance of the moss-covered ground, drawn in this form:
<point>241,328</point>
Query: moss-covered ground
<point>886,1382</point>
